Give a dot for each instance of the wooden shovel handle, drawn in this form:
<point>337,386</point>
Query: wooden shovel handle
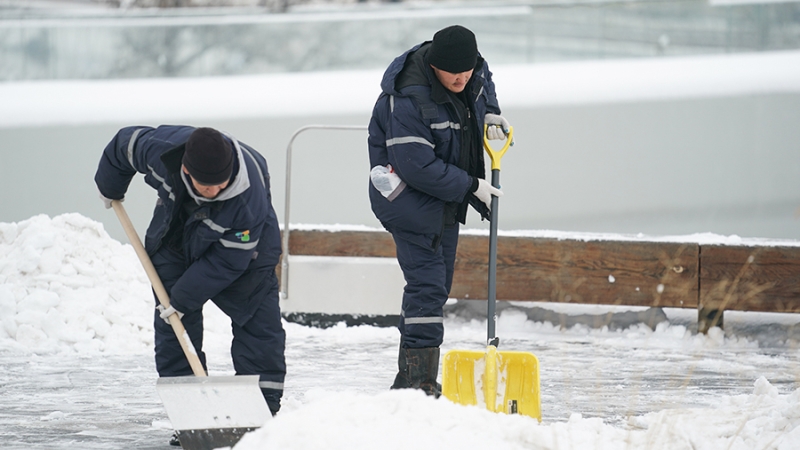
<point>158,287</point>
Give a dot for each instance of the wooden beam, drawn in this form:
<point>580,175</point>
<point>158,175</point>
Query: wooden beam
<point>570,271</point>
<point>341,243</point>
<point>711,278</point>
<point>743,278</point>
<point>566,271</point>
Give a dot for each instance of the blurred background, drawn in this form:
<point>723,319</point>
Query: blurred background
<point>634,117</point>
<point>100,39</point>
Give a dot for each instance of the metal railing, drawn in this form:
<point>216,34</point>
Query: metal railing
<point>284,294</point>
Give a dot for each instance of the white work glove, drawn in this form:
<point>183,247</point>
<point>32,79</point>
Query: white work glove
<point>497,128</point>
<point>107,201</point>
<point>166,312</point>
<point>485,192</point>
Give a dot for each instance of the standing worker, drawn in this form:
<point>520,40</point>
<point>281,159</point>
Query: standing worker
<point>426,154</point>
<point>214,235</point>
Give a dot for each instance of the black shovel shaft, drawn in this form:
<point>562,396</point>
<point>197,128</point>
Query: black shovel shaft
<point>491,318</point>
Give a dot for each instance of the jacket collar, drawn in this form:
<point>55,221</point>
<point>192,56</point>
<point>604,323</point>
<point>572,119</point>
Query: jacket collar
<point>439,93</point>
<point>240,180</point>
<point>172,158</point>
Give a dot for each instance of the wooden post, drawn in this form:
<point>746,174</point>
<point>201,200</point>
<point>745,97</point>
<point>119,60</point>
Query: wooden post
<point>745,278</point>
<point>708,318</point>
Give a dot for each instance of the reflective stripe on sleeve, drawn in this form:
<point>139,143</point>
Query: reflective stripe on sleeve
<point>409,140</point>
<point>226,243</point>
<point>131,145</point>
<point>239,245</point>
<point>218,228</point>
<point>164,184</point>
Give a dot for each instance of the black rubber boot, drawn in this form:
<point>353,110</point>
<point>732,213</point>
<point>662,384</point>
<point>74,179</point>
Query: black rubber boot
<point>418,369</point>
<point>273,399</point>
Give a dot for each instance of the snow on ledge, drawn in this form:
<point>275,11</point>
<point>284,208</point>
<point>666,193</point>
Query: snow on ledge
<point>696,238</point>
<point>37,103</point>
<point>648,79</point>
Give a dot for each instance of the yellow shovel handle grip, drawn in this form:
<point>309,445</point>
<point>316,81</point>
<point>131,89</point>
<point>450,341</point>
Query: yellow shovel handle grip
<point>495,155</point>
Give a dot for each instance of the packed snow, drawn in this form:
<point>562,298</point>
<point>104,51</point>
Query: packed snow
<point>76,332</point>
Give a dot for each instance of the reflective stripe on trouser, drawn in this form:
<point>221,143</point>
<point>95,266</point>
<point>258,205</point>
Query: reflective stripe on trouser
<point>429,274</point>
<point>258,344</point>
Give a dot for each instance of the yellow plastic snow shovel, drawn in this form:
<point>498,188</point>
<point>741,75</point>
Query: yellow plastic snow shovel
<point>207,412</point>
<point>505,382</point>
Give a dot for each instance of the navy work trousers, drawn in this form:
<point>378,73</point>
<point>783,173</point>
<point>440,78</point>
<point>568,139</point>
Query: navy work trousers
<point>258,345</point>
<point>428,272</point>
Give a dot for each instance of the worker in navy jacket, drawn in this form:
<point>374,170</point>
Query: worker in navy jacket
<point>427,164</point>
<point>214,235</point>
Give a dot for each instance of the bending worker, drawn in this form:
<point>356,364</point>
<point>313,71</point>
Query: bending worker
<point>214,235</point>
<point>425,151</point>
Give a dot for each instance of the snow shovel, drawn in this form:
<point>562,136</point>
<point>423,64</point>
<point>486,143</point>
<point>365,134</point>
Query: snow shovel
<point>206,412</point>
<point>506,382</point>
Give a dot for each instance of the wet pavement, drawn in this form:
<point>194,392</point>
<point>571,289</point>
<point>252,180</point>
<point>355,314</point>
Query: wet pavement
<point>60,401</point>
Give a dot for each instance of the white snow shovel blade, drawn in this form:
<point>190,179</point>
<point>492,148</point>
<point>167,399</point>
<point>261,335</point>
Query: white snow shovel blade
<point>213,412</point>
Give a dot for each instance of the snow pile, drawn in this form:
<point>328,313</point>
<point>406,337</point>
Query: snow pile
<point>65,285</point>
<point>764,419</point>
<point>408,419</point>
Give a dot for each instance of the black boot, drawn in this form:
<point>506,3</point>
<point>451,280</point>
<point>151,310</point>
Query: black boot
<point>273,398</point>
<point>418,369</point>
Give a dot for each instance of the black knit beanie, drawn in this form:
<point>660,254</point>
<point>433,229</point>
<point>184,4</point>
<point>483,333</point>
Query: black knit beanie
<point>208,157</point>
<point>453,49</point>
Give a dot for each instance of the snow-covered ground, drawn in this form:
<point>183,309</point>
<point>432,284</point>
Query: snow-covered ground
<point>76,370</point>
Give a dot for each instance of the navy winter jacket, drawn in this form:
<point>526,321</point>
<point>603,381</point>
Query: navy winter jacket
<point>415,127</point>
<point>229,241</point>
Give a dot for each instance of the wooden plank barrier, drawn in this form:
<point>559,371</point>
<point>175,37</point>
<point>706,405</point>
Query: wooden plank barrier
<point>569,271</point>
<point>710,278</point>
<point>744,278</point>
